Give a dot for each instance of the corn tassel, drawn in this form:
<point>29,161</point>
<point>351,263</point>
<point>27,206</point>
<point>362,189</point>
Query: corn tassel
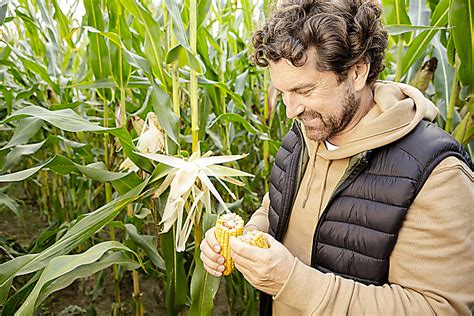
<point>228,225</point>
<point>255,238</point>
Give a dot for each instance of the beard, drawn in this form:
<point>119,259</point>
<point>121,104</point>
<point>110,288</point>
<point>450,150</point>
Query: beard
<point>331,124</point>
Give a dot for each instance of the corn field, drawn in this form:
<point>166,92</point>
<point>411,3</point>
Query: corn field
<point>127,126</point>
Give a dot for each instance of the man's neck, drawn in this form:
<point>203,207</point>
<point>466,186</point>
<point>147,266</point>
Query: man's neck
<point>366,104</point>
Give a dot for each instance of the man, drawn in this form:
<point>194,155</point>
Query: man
<point>370,207</point>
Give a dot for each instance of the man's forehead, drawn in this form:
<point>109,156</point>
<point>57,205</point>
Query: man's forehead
<point>286,76</point>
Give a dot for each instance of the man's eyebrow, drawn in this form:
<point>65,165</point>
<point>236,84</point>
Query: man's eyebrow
<point>300,87</point>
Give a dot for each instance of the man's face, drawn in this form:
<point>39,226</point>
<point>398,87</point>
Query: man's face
<point>324,106</point>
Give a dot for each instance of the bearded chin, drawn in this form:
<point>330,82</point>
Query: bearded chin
<point>333,124</point>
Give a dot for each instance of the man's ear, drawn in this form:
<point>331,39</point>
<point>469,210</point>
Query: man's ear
<point>359,73</point>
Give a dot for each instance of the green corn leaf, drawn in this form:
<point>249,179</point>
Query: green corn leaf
<point>98,56</point>
<point>11,204</point>
<point>121,69</point>
<point>63,23</point>
<point>164,111</point>
<point>185,58</point>
<point>50,30</point>
<point>153,38</point>
<point>125,184</point>
<point>3,13</point>
<point>176,285</point>
<point>236,118</point>
<point>443,78</point>
<point>395,13</point>
<point>63,165</point>
<point>37,68</point>
<point>14,156</point>
<point>176,54</point>
<point>204,286</point>
<point>70,121</point>
<point>148,244</point>
<point>222,86</point>
<point>178,28</point>
<point>136,82</point>
<point>15,300</point>
<point>464,132</point>
<point>401,29</point>
<point>419,44</point>
<point>59,267</point>
<point>26,129</point>
<point>419,13</point>
<point>16,153</point>
<point>87,270</point>
<point>66,119</point>
<point>83,229</point>
<point>134,59</point>
<point>9,270</point>
<point>7,96</point>
<point>451,50</point>
<point>461,16</point>
<point>203,11</point>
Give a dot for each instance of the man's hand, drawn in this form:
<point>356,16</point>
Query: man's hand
<point>213,262</point>
<point>266,269</point>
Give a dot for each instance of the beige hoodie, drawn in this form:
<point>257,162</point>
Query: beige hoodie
<point>432,264</point>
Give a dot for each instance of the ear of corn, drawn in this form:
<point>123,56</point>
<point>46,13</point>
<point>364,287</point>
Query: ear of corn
<point>228,225</point>
<point>255,238</point>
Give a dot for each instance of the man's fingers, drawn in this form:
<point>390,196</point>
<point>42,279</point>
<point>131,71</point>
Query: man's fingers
<point>242,261</point>
<point>211,266</point>
<point>211,240</point>
<point>212,260</point>
<point>209,262</point>
<point>245,250</point>
<point>209,253</point>
<point>212,272</point>
<point>245,272</point>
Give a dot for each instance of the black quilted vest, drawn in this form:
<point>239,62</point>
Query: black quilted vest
<point>358,228</point>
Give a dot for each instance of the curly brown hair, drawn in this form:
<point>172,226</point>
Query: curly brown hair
<point>343,32</point>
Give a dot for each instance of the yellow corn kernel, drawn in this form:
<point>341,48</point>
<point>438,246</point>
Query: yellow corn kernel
<point>228,225</point>
<point>255,238</point>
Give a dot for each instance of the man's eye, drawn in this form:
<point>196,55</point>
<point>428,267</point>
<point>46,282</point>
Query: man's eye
<point>306,92</point>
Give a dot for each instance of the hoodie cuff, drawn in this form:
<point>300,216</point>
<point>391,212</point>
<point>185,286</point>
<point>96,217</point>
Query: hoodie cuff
<point>303,279</point>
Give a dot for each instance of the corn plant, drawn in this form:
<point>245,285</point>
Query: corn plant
<point>104,117</point>
<point>431,48</point>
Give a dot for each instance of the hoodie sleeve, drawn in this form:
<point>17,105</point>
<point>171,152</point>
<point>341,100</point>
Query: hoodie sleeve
<point>259,219</point>
<point>431,267</point>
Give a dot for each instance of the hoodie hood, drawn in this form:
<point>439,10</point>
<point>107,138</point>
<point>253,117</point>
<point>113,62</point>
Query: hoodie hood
<point>398,109</point>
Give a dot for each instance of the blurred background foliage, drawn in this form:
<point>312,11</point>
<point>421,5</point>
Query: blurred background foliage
<point>78,81</point>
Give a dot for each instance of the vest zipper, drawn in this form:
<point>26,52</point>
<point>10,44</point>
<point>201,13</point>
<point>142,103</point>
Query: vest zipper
<point>346,180</point>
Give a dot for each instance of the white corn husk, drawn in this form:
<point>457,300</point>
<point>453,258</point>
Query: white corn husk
<point>183,180</point>
<point>151,140</point>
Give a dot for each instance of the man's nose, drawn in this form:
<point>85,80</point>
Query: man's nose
<point>293,107</point>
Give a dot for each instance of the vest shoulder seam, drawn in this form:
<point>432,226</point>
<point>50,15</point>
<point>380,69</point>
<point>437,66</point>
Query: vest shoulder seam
<point>408,153</point>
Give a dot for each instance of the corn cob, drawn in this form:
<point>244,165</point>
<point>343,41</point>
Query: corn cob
<point>255,238</point>
<point>228,225</point>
